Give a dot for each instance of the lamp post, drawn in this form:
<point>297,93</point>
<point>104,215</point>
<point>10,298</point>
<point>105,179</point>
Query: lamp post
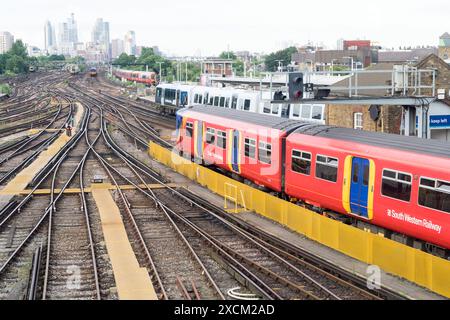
<point>160,70</point>
<point>280,65</point>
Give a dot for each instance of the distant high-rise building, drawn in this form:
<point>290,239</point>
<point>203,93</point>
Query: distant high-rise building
<point>6,41</point>
<point>72,29</point>
<point>100,36</point>
<point>117,48</point>
<point>130,43</point>
<point>50,37</point>
<point>67,36</point>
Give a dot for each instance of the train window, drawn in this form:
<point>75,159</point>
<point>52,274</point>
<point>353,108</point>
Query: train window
<point>247,104</point>
<point>158,92</point>
<point>196,98</point>
<point>169,94</point>
<point>206,98</point>
<point>355,170</point>
<point>327,168</point>
<point>317,112</point>
<point>366,176</point>
<point>211,99</point>
<point>296,110</point>
<point>222,102</point>
<point>221,139</point>
<point>189,129</point>
<point>250,148</point>
<point>216,101</point>
<point>301,162</point>
<point>275,108</point>
<point>396,185</point>
<point>266,108</point>
<point>306,111</point>
<point>265,152</point>
<point>234,102</point>
<point>435,194</point>
<point>210,136</point>
<point>200,98</point>
<point>227,103</point>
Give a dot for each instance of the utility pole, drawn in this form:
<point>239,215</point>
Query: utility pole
<point>280,65</point>
<point>160,70</point>
<point>186,71</point>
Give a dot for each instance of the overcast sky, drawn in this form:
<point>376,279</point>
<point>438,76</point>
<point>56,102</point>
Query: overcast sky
<point>187,27</point>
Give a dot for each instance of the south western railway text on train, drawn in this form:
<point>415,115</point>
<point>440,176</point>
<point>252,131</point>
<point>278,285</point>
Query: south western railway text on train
<point>413,220</point>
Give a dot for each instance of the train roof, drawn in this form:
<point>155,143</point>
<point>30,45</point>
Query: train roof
<point>267,121</point>
<point>378,139</point>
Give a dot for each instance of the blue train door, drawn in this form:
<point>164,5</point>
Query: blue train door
<point>359,188</point>
<point>183,98</point>
<point>235,154</point>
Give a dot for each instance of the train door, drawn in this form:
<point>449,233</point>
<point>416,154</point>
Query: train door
<point>359,186</point>
<point>179,123</point>
<point>235,152</point>
<point>234,100</point>
<point>159,95</point>
<point>177,100</point>
<point>197,140</point>
<point>183,98</point>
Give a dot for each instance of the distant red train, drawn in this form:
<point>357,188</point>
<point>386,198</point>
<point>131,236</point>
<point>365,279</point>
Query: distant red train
<point>390,184</point>
<point>147,78</point>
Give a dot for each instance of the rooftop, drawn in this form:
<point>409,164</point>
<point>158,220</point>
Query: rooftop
<point>444,40</point>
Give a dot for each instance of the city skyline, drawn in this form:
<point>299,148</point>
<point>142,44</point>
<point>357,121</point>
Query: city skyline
<point>238,27</point>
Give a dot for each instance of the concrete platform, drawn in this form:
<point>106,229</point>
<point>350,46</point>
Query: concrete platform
<point>132,281</point>
<point>345,262</point>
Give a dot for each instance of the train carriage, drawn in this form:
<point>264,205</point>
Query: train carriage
<point>378,178</point>
<point>248,146</point>
<point>398,185</point>
<point>146,77</point>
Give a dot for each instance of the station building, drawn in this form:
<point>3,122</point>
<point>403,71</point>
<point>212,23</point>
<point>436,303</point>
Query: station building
<point>398,119</point>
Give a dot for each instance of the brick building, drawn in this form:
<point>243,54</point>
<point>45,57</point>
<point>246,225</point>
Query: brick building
<point>359,117</point>
<point>218,67</point>
<point>391,119</point>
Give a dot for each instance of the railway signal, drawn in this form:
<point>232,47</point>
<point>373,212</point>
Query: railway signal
<point>295,85</point>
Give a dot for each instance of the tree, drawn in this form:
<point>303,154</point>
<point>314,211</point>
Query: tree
<point>18,49</point>
<point>284,55</point>
<point>16,64</point>
<point>16,60</point>
<point>125,59</point>
<point>228,55</point>
<point>56,57</point>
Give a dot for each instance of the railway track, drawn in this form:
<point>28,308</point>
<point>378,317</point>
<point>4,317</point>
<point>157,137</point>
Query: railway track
<point>52,246</point>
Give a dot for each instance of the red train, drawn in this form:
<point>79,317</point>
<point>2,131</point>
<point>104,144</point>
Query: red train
<point>147,78</point>
<point>390,184</point>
